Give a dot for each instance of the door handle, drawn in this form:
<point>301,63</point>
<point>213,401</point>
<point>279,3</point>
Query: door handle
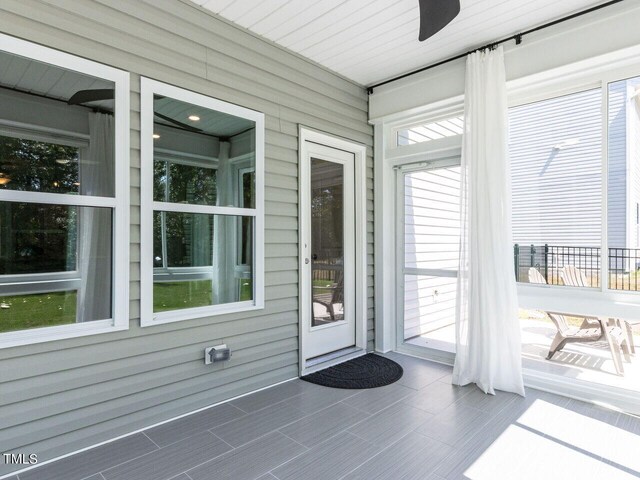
<point>306,261</point>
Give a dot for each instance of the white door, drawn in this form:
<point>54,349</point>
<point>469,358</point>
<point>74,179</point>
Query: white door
<point>328,247</point>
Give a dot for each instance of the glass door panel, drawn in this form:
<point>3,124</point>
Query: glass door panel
<point>327,242</point>
<point>430,236</point>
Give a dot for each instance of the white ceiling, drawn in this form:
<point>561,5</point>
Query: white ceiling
<point>373,40</point>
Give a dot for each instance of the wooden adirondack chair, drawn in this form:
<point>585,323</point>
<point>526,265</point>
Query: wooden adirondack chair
<point>591,330</point>
<point>575,277</point>
<point>613,335</point>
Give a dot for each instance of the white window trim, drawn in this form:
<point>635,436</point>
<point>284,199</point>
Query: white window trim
<point>119,203</point>
<point>148,88</point>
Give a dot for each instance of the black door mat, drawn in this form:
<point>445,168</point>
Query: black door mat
<point>367,371</point>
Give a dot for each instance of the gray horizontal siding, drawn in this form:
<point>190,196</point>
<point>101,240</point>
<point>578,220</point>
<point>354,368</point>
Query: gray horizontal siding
<point>61,396</point>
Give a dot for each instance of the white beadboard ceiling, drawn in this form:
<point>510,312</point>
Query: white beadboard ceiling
<point>372,40</point>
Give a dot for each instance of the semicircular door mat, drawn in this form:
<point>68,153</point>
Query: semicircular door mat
<point>367,371</point>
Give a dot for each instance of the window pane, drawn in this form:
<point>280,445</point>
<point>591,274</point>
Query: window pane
<point>38,238</point>
<point>196,260</point>
<point>432,219</point>
<point>179,183</point>
<point>199,153</point>
<point>47,144</point>
<point>22,312</point>
<point>449,127</point>
<point>623,192</point>
<point>555,148</point>
<point>55,263</point>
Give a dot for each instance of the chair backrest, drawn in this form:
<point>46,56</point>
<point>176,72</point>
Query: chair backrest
<point>573,277</point>
<point>560,321</point>
<point>535,276</point>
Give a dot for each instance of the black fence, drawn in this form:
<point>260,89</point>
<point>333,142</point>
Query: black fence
<point>549,260</point>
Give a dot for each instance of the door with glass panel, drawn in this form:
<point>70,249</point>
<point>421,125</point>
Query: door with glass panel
<point>328,213</point>
<point>428,253</point>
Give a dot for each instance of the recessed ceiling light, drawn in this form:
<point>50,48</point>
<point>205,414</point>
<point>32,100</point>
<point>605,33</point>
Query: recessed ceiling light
<point>194,118</point>
<point>4,180</point>
<point>156,136</point>
<point>62,161</point>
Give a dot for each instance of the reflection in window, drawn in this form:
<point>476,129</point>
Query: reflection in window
<point>69,248</point>
<point>56,258</point>
<point>202,208</point>
<point>193,261</point>
<point>32,166</point>
<point>179,183</point>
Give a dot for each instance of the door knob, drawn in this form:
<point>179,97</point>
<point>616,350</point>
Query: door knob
<point>306,261</point>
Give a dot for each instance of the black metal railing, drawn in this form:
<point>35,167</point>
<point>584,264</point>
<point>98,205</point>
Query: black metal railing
<point>549,260</point>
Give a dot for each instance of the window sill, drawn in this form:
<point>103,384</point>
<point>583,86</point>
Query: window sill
<point>162,318</point>
<point>581,301</point>
<point>61,332</point>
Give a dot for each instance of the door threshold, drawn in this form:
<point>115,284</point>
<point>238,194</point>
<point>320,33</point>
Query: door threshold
<point>323,361</point>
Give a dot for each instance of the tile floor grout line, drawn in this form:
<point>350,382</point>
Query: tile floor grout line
<point>140,456</point>
<point>293,440</point>
<point>221,439</point>
<point>383,449</point>
<point>236,448</point>
<point>151,440</point>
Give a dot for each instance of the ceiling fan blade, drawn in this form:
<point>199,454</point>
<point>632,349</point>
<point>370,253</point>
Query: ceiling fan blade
<point>86,96</point>
<point>176,122</point>
<point>435,15</point>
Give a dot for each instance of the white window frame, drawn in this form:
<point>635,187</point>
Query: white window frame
<point>119,203</point>
<point>590,74</point>
<point>148,88</point>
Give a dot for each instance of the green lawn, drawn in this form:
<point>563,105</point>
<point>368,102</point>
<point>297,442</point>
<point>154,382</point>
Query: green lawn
<point>175,295</point>
<point>22,312</point>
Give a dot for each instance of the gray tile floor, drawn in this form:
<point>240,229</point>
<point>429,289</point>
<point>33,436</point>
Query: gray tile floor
<point>419,428</point>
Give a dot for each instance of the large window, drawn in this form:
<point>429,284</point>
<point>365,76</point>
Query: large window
<point>555,147</point>
<point>201,205</point>
<point>63,219</point>
<point>556,150</point>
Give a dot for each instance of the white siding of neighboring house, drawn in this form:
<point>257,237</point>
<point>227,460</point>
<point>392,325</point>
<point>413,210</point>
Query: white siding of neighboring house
<point>633,116</point>
<point>617,179</point>
<point>431,241</point>
<point>557,192</point>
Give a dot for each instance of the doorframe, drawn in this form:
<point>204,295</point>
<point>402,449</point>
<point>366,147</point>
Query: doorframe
<point>449,157</point>
<point>359,151</point>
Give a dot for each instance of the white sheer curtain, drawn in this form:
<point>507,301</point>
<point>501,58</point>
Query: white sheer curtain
<point>224,284</point>
<point>96,172</point>
<point>487,330</point>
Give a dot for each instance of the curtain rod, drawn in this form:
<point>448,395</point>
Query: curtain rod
<point>517,37</point>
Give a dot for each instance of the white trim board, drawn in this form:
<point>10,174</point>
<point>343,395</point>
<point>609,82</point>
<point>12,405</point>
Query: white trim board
<point>66,455</point>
